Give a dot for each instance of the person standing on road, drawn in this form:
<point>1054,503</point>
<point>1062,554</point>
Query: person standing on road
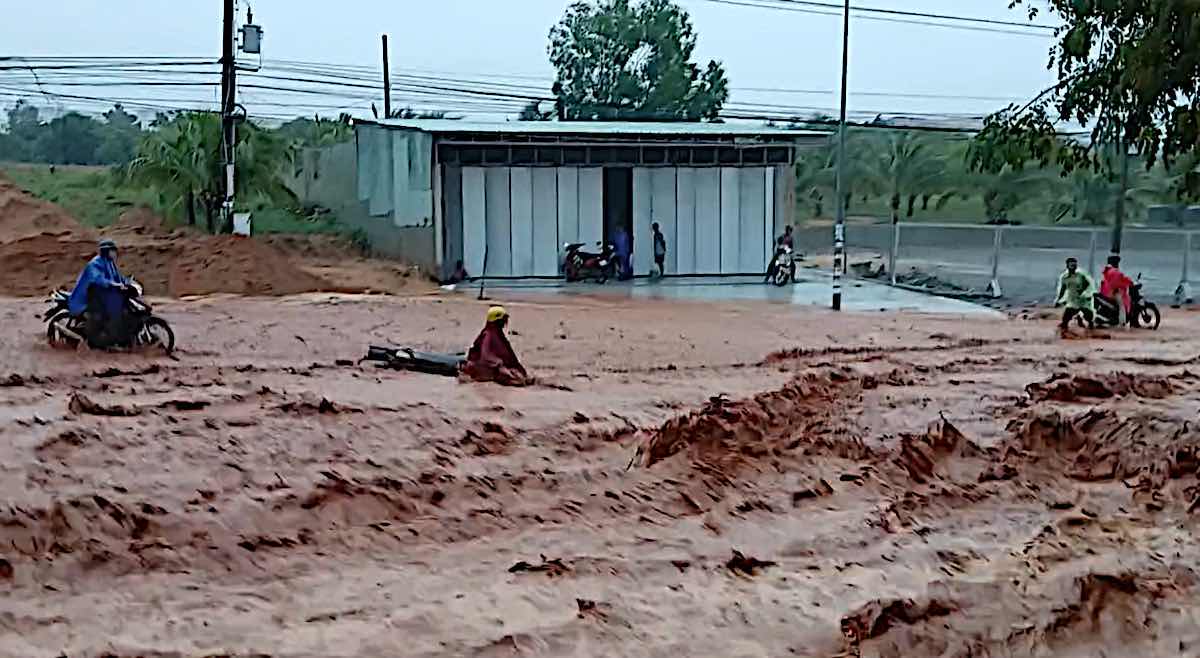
<point>1114,290</point>
<point>1075,290</point>
<point>660,249</point>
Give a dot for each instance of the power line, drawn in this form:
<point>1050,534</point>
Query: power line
<point>761,4</point>
<point>918,14</point>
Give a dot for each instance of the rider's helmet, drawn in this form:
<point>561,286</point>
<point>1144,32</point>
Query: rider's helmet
<point>106,245</point>
<point>496,313</point>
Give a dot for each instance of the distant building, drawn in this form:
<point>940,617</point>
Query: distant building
<point>505,197</point>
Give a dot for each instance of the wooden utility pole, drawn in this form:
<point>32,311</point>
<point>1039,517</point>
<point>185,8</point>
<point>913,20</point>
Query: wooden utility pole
<point>387,82</point>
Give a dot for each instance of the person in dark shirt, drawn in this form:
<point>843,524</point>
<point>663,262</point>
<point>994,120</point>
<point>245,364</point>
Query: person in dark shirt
<point>660,249</point>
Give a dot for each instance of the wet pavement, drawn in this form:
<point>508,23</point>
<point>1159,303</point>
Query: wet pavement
<point>811,290</point>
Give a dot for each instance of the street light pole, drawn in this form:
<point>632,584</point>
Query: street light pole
<point>839,227</point>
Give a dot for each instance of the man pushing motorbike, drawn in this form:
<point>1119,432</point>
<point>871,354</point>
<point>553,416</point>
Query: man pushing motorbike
<point>99,297</point>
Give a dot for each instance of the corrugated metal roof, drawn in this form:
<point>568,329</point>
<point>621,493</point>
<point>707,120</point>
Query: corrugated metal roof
<point>594,128</point>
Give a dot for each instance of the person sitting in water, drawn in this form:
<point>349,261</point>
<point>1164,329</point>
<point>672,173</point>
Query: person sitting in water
<point>491,357</point>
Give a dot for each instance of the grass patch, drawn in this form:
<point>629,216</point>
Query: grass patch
<point>94,197</point>
<point>87,193</point>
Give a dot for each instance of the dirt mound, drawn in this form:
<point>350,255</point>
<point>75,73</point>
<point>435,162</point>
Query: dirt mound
<point>1062,387</point>
<point>725,430</point>
<point>139,221</point>
<point>232,264</point>
<point>23,216</point>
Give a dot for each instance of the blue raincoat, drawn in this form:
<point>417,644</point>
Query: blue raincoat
<point>623,249</point>
<point>102,273</point>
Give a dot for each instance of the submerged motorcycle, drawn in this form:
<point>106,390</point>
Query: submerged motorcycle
<point>579,265</point>
<point>141,327</point>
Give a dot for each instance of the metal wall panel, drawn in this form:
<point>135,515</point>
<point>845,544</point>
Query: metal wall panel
<point>731,220</point>
<point>452,218</point>
<point>708,220</point>
<point>752,202</point>
<point>521,205</point>
<point>591,205</point>
<point>499,222</point>
<point>685,220</point>
<point>546,244</point>
<point>568,205</point>
<point>662,210</point>
<point>474,212</point>
<point>770,229</point>
<point>643,245</point>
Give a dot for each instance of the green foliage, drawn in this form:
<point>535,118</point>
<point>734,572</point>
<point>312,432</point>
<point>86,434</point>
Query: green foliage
<point>632,60</point>
<point>410,113</point>
<point>317,131</point>
<point>533,112</point>
<point>1126,69</point>
<point>71,138</point>
<point>181,162</point>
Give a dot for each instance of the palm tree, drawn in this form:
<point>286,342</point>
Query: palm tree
<point>906,165</point>
<point>1091,194</point>
<point>181,161</point>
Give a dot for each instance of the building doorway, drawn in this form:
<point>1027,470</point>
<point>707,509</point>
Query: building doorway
<point>618,210</point>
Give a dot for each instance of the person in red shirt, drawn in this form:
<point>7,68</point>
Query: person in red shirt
<point>1115,285</point>
<point>491,358</point>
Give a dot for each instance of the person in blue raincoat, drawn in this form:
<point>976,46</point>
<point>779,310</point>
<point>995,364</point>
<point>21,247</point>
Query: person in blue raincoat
<point>99,293</point>
<point>623,249</point>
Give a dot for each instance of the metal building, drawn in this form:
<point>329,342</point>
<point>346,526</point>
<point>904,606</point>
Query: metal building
<point>505,197</point>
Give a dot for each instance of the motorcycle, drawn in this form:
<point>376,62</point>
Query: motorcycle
<point>1142,313</point>
<point>142,327</point>
<point>784,267</point>
<point>579,265</point>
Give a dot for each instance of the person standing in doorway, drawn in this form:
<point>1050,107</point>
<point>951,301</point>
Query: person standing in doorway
<point>660,249</point>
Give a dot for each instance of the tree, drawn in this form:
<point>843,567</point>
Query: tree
<point>631,60</point>
<point>903,166</point>
<point>181,161</point>
<point>533,112</point>
<point>119,136</point>
<point>1128,70</point>
<point>317,131</point>
<point>72,138</point>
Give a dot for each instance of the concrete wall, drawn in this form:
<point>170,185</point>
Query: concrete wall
<point>328,177</point>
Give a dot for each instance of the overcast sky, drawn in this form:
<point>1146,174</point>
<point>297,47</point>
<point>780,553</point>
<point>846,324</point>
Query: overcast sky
<point>504,41</point>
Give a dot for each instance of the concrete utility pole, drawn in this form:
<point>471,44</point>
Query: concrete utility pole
<point>387,82</point>
<point>1119,221</point>
<point>839,227</point>
<point>228,108</point>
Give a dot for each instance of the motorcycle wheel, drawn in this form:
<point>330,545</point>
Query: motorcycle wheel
<point>1147,316</point>
<point>157,333</point>
<point>783,276</point>
<point>55,337</point>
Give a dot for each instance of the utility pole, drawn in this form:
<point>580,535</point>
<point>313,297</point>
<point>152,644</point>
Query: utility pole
<point>387,82</point>
<point>228,108</point>
<point>1119,222</point>
<point>839,227</point>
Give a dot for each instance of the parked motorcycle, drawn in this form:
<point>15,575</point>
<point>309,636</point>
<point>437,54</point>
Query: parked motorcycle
<point>579,265</point>
<point>1142,313</point>
<point>142,327</point>
<point>784,266</point>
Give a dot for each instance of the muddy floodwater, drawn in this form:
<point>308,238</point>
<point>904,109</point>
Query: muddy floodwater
<point>717,479</point>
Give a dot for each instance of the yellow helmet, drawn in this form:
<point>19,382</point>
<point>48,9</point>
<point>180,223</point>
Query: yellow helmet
<point>496,313</point>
